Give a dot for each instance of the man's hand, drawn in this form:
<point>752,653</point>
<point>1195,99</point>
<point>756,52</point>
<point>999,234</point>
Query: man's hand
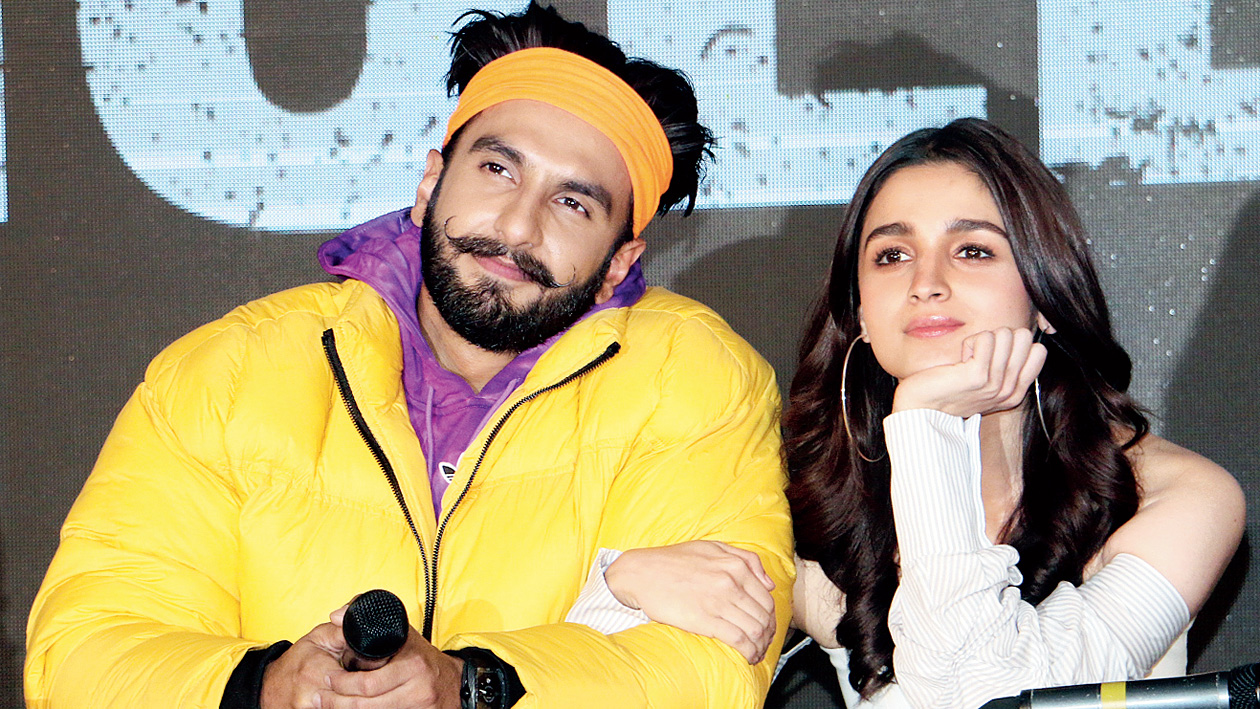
<point>418,677</point>
<point>309,675</point>
<point>707,588</point>
<point>293,680</point>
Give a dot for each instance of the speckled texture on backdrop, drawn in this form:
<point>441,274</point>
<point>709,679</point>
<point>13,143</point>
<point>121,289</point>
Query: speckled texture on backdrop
<point>102,270</point>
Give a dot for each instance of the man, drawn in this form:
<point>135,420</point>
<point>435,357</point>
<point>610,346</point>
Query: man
<point>476,420</point>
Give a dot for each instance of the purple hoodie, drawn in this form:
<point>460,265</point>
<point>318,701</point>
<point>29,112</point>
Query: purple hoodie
<point>445,411</point>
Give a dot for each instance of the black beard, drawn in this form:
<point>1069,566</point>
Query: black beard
<point>482,312</point>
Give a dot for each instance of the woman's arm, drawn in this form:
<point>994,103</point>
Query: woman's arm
<point>816,603</point>
<point>962,633</point>
<point>704,587</point>
<point>1190,520</point>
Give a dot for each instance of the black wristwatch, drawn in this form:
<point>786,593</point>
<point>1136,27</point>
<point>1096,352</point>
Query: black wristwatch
<point>488,682</point>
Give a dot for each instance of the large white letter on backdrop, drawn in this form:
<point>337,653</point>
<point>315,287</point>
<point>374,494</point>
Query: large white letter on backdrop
<point>1133,81</point>
<point>173,86</point>
<point>774,149</point>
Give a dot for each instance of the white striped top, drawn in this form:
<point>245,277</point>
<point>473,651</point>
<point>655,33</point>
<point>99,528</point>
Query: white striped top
<point>596,607</point>
<point>1172,664</point>
<point>962,634</point>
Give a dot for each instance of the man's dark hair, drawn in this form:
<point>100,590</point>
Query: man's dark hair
<point>668,93</point>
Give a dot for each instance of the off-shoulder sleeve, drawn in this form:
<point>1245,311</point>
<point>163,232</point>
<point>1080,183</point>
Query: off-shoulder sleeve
<point>961,631</point>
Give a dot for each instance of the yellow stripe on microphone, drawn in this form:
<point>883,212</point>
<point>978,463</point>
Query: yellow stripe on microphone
<point>1111,695</point>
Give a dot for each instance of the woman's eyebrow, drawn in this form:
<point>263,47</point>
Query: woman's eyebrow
<point>959,225</point>
<point>893,229</point>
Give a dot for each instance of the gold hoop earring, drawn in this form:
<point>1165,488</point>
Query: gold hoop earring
<point>844,404</point>
<point>1041,415</point>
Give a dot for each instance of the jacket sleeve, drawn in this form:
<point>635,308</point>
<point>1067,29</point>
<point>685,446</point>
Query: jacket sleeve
<point>961,631</point>
<point>139,607</point>
<point>707,467</point>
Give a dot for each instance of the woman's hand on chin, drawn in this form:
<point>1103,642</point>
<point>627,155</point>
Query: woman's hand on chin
<point>993,374</point>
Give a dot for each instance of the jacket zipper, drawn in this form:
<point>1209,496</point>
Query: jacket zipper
<point>360,424</point>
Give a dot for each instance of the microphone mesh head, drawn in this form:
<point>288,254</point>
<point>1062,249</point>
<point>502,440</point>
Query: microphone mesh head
<point>1242,687</point>
<point>375,624</point>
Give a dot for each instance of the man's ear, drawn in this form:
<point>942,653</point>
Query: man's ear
<point>619,268</point>
<point>1044,324</point>
<point>433,165</point>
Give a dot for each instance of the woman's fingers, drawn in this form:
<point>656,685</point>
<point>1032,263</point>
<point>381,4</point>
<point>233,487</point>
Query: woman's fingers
<point>1003,341</point>
<point>753,562</point>
<point>1011,391</point>
<point>1033,363</point>
<point>742,632</point>
<point>708,588</point>
<point>996,369</point>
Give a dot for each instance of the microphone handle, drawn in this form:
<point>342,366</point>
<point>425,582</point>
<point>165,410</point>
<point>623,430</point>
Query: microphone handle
<point>1204,691</point>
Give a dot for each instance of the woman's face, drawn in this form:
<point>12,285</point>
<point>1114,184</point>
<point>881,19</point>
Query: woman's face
<point>935,266</point>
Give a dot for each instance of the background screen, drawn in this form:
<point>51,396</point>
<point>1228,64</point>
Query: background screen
<point>166,160</point>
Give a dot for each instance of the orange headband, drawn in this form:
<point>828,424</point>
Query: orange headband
<point>593,94</point>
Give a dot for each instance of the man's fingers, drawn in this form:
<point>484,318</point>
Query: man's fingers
<point>292,680</point>
<point>329,638</point>
<point>374,683</point>
<point>338,615</point>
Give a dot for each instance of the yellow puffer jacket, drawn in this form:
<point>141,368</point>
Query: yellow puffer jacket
<point>236,503</point>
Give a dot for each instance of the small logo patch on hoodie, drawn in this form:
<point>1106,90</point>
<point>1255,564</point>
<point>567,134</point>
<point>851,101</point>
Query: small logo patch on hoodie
<point>447,470</point>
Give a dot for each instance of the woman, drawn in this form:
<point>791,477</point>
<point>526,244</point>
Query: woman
<point>981,507</point>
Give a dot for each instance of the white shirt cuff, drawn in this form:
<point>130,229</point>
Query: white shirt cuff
<point>596,606</point>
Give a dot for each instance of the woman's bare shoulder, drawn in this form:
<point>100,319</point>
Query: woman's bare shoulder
<point>1165,470</point>
<point>1189,521</point>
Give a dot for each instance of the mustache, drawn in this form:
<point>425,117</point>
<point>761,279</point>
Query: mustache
<point>534,269</point>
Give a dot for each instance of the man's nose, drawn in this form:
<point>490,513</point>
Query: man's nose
<point>518,222</point>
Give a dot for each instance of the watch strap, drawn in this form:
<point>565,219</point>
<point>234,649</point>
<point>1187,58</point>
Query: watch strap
<point>488,682</point>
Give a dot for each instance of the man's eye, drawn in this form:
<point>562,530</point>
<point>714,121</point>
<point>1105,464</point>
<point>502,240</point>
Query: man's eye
<point>572,204</point>
<point>496,169</point>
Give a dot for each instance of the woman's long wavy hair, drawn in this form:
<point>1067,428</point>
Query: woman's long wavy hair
<point>1078,487</point>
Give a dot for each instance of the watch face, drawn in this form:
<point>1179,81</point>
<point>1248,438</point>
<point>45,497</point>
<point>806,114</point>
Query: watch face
<point>489,688</point>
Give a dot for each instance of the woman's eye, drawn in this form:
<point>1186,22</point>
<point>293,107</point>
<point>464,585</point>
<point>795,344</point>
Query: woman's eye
<point>972,251</point>
<point>888,256</point>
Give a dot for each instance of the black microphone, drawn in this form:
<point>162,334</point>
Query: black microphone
<point>375,627</point>
<point>1232,689</point>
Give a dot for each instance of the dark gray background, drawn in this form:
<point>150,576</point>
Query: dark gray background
<point>100,274</point>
